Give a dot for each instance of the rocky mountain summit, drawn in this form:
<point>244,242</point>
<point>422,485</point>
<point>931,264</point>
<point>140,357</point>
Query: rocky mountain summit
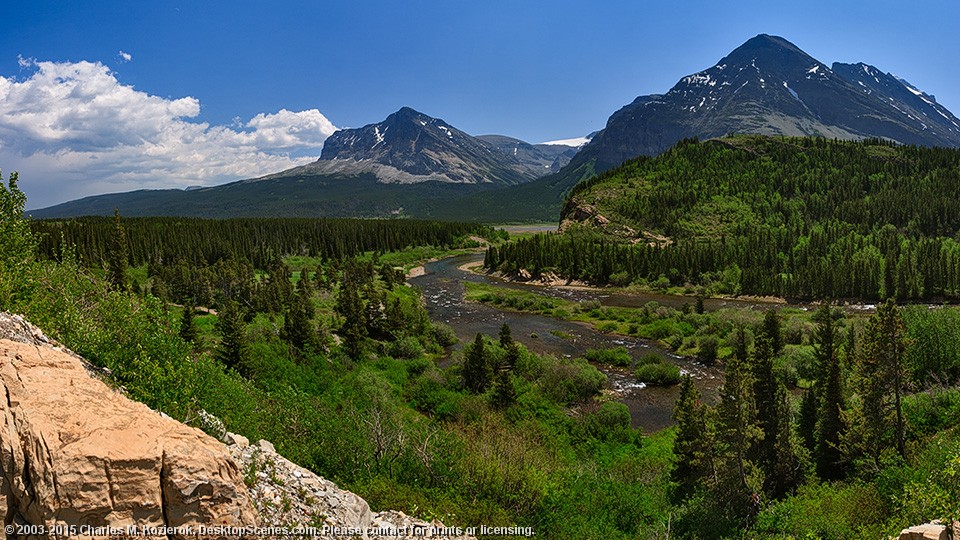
<point>410,147</point>
<point>81,459</point>
<point>769,86</point>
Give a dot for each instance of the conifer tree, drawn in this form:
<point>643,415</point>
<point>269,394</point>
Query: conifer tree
<point>297,328</point>
<point>765,396</point>
<point>807,420</point>
<point>188,327</point>
<point>476,367</point>
<point>740,343</point>
<point>350,307</point>
<point>772,328</point>
<point>506,339</point>
<point>504,392</point>
<point>740,433</point>
<point>118,254</point>
<point>693,455</point>
<point>828,455</point>
<point>882,379</point>
<point>785,471</point>
<point>233,349</point>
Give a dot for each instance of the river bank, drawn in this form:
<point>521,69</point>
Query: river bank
<point>651,408</point>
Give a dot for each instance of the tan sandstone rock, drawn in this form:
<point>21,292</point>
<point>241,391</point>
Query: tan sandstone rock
<point>927,531</point>
<point>74,451</point>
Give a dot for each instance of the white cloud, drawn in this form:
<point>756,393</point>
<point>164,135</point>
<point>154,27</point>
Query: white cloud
<point>125,56</point>
<point>72,130</point>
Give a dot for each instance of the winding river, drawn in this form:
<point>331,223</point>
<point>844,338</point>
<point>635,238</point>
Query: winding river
<point>650,407</point>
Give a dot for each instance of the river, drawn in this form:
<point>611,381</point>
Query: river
<point>650,407</point>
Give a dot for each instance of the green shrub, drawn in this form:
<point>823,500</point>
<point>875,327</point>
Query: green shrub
<point>569,381</point>
<point>443,335</point>
<point>406,348</point>
<point>617,356</point>
<point>658,374</point>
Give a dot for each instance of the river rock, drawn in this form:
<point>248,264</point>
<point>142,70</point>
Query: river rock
<point>73,451</point>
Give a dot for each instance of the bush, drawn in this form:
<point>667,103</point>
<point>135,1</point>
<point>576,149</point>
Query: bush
<point>649,358</point>
<point>406,348</point>
<point>617,356</point>
<point>443,334</point>
<point>658,374</point>
<point>708,350</point>
<point>610,422</point>
<point>569,381</point>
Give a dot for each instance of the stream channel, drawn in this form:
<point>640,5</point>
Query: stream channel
<point>650,407</point>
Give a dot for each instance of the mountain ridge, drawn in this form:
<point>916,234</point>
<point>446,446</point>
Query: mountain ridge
<point>422,166</point>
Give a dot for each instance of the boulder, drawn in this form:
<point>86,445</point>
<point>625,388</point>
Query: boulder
<point>927,531</point>
<point>73,451</point>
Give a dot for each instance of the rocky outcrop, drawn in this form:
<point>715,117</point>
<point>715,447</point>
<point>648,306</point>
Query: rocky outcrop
<point>76,453</point>
<point>290,497</point>
<point>80,459</point>
<point>935,530</point>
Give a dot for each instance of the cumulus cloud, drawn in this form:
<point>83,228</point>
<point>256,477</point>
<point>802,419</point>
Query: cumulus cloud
<point>72,129</point>
<point>124,56</point>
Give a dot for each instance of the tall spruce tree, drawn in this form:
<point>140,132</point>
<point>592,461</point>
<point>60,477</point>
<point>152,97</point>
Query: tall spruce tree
<point>772,328</point>
<point>233,350</point>
<point>188,327</point>
<point>350,307</point>
<point>828,454</point>
<point>476,367</point>
<point>506,339</point>
<point>765,395</point>
<point>882,378</point>
<point>692,446</point>
<point>118,254</point>
<point>740,432</point>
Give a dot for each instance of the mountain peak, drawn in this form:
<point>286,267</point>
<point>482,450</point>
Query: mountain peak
<point>770,86</point>
<point>769,53</point>
<point>410,146</point>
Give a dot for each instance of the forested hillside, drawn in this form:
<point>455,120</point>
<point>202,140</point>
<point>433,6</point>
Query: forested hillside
<point>794,217</point>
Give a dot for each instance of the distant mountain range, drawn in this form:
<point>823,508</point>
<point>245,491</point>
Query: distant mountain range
<point>413,164</point>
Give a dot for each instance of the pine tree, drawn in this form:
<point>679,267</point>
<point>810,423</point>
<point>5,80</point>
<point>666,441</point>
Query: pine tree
<point>882,378</point>
<point>188,327</point>
<point>506,339</point>
<point>504,392</point>
<point>691,446</point>
<point>740,431</point>
<point>772,328</point>
<point>297,328</point>
<point>476,367</point>
<point>118,254</point>
<point>698,308</point>
<point>807,420</point>
<point>765,396</point>
<point>828,455</point>
<point>233,349</point>
<point>740,343</point>
<point>350,307</point>
<point>785,471</point>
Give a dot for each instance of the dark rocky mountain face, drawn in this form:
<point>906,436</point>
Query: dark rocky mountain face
<point>769,86</point>
<point>915,106</point>
<point>539,159</point>
<point>410,147</point>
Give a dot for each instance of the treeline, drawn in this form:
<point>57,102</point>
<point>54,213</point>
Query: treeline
<point>206,241</point>
<point>803,218</point>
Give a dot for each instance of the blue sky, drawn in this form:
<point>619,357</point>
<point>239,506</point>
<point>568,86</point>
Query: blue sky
<point>215,91</point>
